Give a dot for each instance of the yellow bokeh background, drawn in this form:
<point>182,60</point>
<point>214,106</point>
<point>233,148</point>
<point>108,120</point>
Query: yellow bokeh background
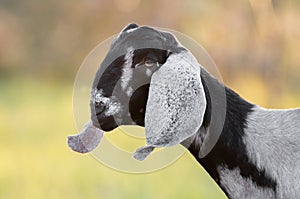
<point>255,45</point>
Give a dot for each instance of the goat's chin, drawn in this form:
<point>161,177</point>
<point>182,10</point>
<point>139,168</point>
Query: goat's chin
<point>107,123</point>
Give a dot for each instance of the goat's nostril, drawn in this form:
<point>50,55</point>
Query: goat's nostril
<point>100,103</point>
<point>100,107</point>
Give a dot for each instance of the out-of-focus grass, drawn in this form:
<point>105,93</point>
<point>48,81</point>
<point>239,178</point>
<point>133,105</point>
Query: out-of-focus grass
<point>36,116</point>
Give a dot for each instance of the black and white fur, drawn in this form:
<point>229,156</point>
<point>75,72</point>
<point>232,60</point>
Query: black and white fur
<point>258,152</point>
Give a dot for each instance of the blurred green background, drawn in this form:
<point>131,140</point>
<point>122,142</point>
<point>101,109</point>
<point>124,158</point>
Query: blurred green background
<point>254,43</point>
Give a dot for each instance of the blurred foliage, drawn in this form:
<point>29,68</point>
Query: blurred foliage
<point>49,39</point>
<point>42,43</point>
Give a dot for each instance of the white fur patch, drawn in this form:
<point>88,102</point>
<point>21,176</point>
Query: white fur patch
<point>148,72</point>
<point>98,97</point>
<point>127,70</point>
<point>272,140</point>
<point>239,187</point>
<point>129,91</point>
<point>112,106</point>
<point>131,30</point>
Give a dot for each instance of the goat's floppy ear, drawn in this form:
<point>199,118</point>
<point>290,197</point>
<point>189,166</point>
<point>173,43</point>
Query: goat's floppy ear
<point>176,103</point>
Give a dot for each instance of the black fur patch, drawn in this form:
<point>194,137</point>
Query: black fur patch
<point>107,83</point>
<point>137,104</point>
<point>230,149</point>
<point>111,76</point>
<point>156,55</point>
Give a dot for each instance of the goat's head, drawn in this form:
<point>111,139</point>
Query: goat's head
<point>122,86</point>
<point>146,68</point>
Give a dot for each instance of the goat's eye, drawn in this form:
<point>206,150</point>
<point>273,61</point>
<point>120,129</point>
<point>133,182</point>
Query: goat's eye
<point>150,63</point>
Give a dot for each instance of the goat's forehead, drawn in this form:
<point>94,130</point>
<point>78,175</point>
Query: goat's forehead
<point>144,37</point>
<point>139,38</point>
<point>126,46</point>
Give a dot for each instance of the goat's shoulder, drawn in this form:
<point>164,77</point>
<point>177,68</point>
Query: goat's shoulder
<point>272,140</point>
<point>274,122</point>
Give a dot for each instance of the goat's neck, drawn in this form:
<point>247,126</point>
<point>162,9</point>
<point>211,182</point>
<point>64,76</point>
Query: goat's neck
<point>228,163</point>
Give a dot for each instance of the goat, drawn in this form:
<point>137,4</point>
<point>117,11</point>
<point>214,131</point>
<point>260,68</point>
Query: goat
<point>257,154</point>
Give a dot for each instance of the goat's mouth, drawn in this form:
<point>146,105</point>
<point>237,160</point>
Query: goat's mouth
<point>103,121</point>
<point>107,123</point>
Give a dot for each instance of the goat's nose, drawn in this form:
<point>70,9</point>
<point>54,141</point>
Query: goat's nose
<point>100,108</point>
